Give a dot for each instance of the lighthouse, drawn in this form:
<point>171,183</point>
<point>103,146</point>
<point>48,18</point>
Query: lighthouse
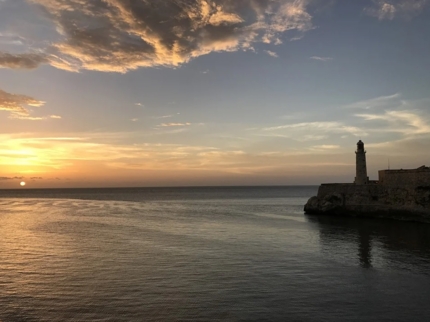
<point>360,164</point>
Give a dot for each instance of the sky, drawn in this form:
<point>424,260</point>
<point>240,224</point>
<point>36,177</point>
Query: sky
<point>107,93</point>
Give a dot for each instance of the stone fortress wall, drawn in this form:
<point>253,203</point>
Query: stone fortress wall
<point>407,179</point>
<point>347,189</point>
<point>414,177</point>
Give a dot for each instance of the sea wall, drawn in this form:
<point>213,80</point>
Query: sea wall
<point>406,202</point>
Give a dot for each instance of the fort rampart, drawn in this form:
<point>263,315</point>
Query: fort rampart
<point>414,177</point>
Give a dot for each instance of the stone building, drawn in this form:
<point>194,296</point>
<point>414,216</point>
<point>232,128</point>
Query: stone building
<point>409,177</point>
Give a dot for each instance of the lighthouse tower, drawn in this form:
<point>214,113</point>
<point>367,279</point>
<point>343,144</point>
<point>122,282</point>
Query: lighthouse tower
<point>360,164</point>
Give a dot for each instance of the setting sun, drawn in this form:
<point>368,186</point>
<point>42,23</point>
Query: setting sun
<point>22,183</point>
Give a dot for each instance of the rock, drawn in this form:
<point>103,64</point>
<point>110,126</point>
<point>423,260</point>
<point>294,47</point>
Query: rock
<point>329,204</point>
<point>312,206</point>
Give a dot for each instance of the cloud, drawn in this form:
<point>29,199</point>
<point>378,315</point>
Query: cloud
<point>17,104</point>
<point>164,116</point>
<point>175,124</point>
<point>405,122</point>
<point>391,117</point>
<point>323,127</point>
<point>10,178</point>
<point>91,153</point>
<point>381,101</point>
<point>43,153</point>
<point>321,58</point>
<point>33,118</point>
<point>389,9</point>
<point>393,114</point>
<point>325,147</point>
<point>271,53</point>
<point>297,38</point>
<point>21,61</point>
<point>11,39</point>
<point>384,11</point>
<point>404,147</point>
<point>14,104</point>
<point>26,117</point>
<point>122,35</point>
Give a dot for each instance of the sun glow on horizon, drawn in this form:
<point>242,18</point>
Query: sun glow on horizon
<point>22,183</point>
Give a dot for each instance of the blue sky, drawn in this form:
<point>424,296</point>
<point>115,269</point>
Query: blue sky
<point>189,92</point>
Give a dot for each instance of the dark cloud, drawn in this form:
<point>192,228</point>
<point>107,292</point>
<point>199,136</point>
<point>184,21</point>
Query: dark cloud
<point>14,104</point>
<point>120,35</point>
<point>21,61</point>
<point>10,178</point>
<point>36,178</point>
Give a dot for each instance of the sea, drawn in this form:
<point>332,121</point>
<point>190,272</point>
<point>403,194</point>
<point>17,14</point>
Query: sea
<point>204,254</point>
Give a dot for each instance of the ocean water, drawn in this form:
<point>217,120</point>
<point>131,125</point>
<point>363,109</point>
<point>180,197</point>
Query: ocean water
<point>204,254</point>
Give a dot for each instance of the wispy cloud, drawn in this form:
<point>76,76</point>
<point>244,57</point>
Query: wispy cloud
<point>405,122</point>
<point>22,61</point>
<point>26,117</point>
<point>61,138</point>
<point>75,156</point>
<point>33,118</point>
<point>16,104</point>
<point>324,59</point>
<point>297,38</point>
<point>18,107</point>
<point>126,35</point>
<point>60,155</point>
<point>165,116</point>
<point>271,53</point>
<point>11,39</point>
<point>311,137</point>
<point>325,147</point>
<point>381,101</point>
<point>65,152</point>
<point>174,124</point>
<point>389,9</point>
<point>327,127</point>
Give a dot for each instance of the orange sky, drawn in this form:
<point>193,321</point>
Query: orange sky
<point>226,92</point>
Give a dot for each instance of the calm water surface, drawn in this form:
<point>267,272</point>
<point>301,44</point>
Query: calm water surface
<point>200,254</point>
